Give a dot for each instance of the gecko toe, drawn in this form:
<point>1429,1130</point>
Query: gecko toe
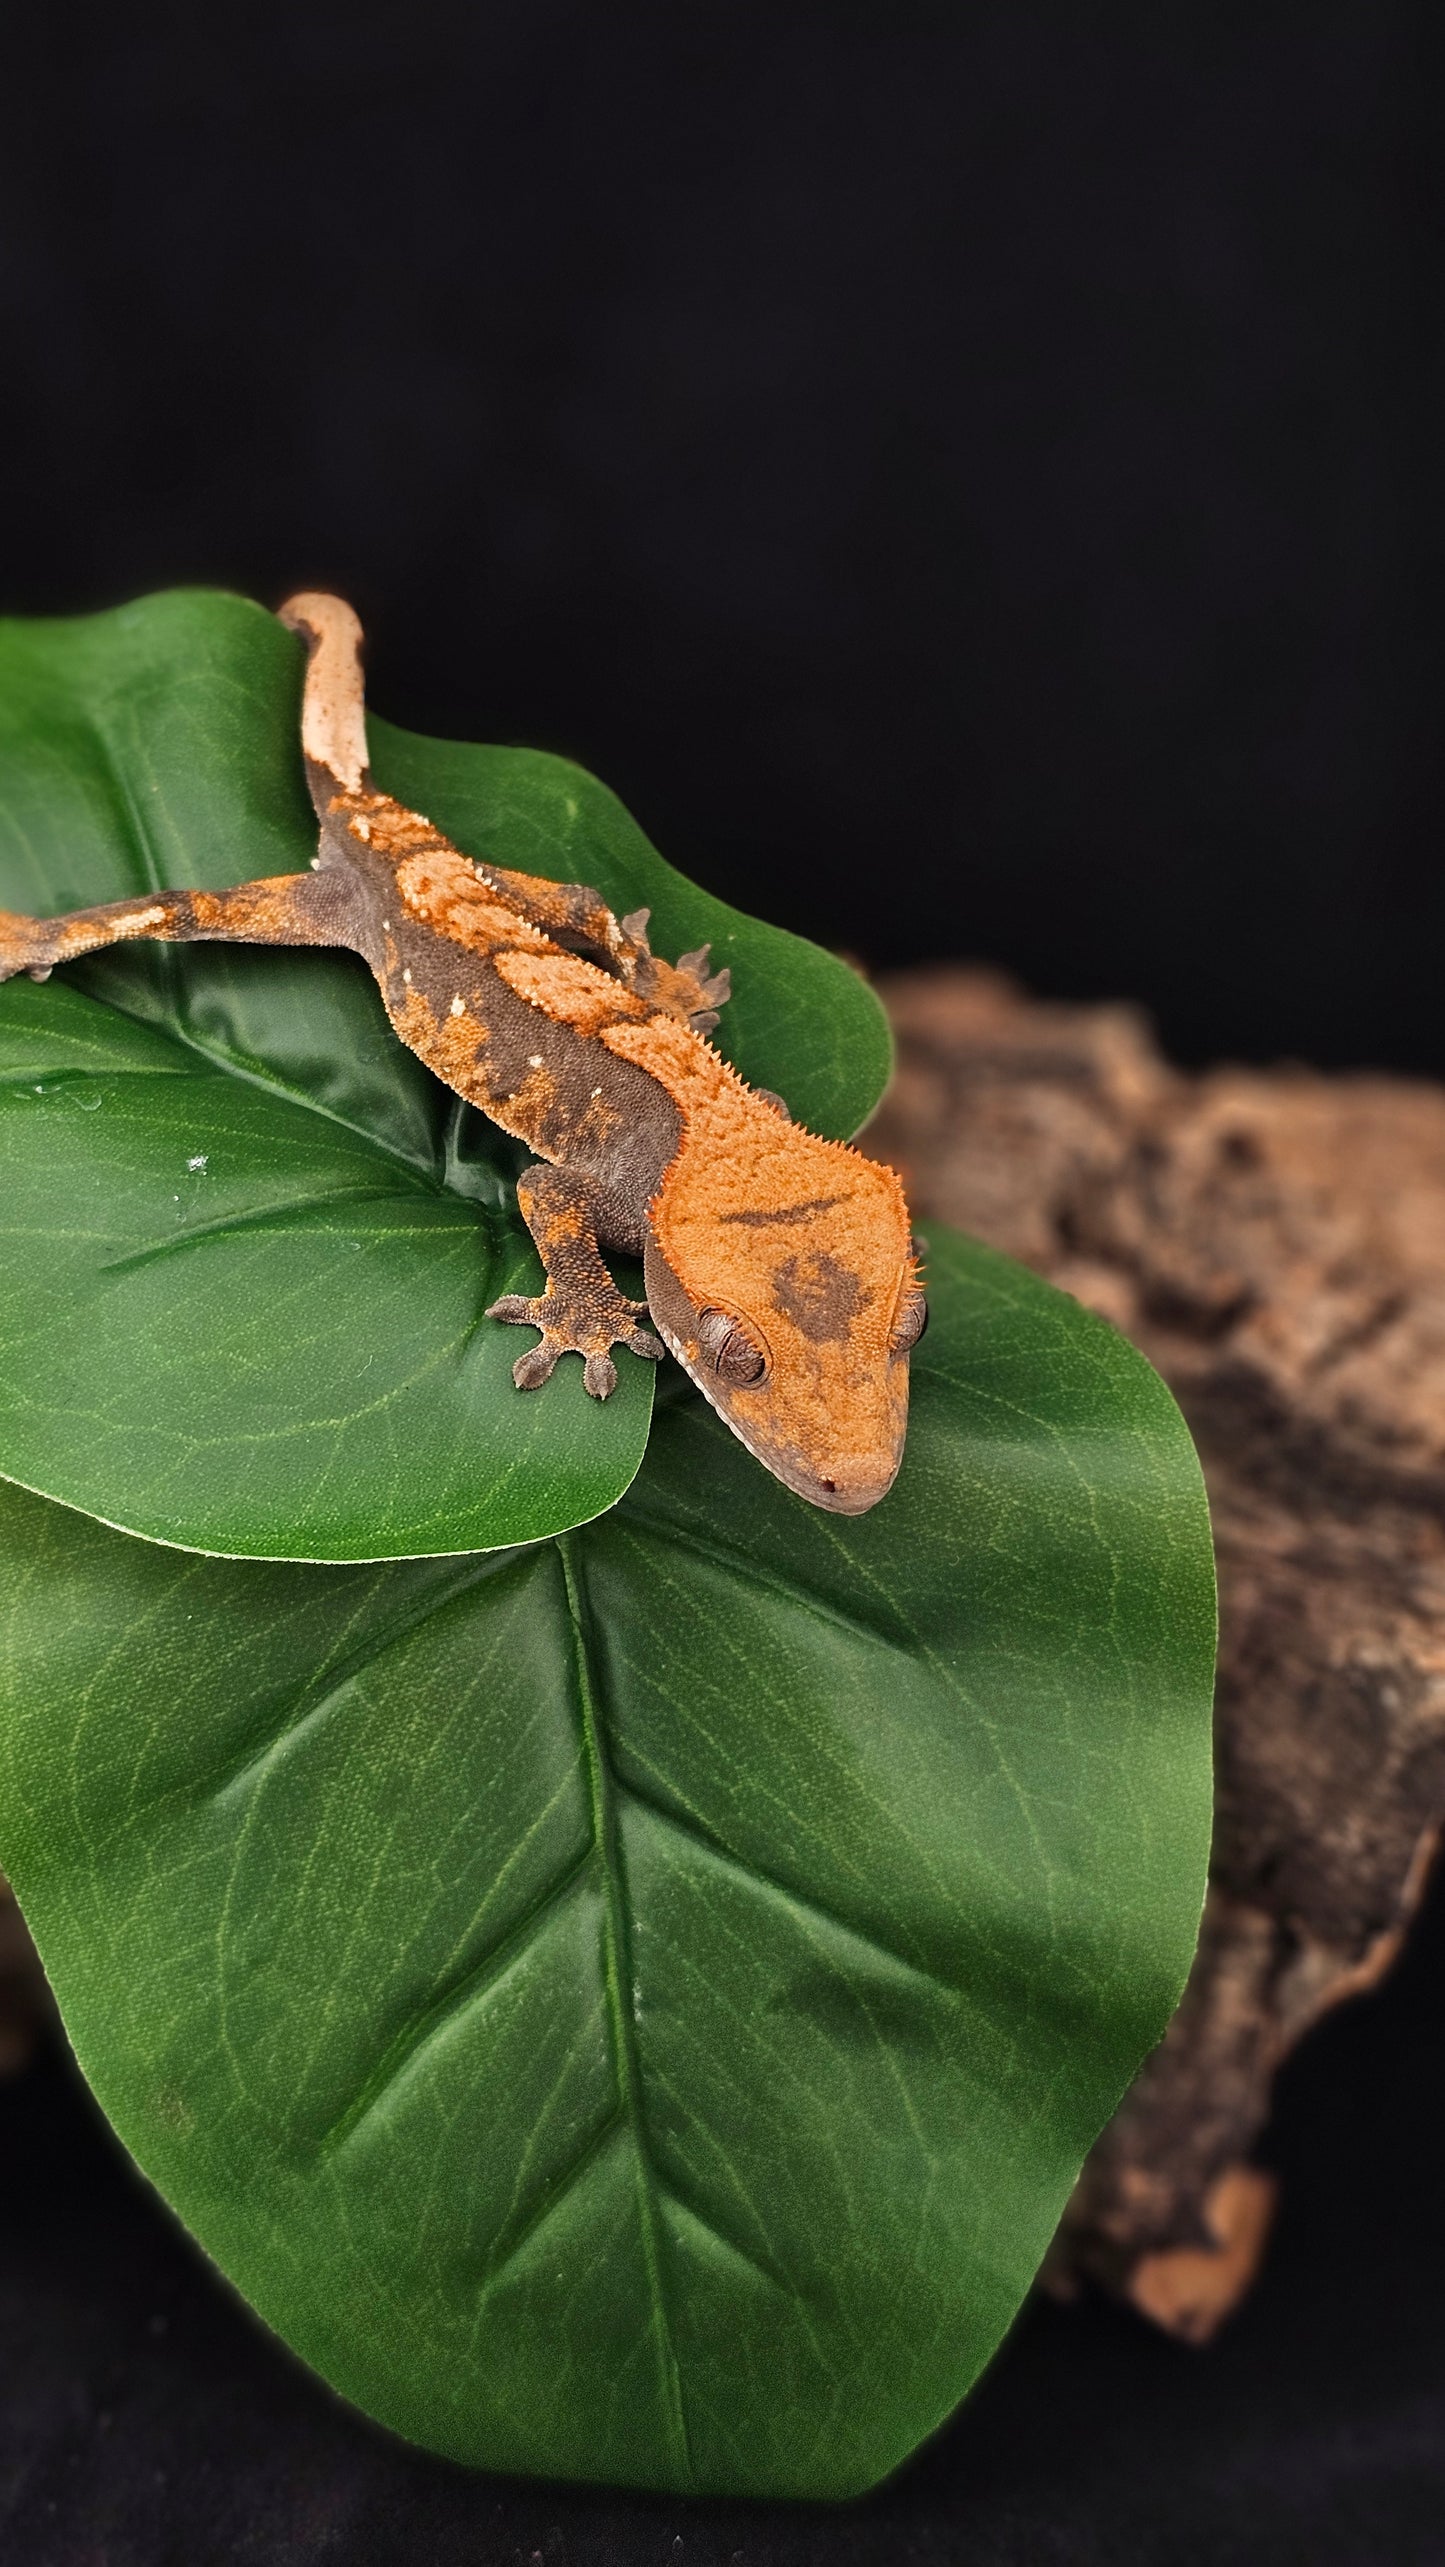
<point>535,1367</point>
<point>599,1376</point>
<point>643,1342</point>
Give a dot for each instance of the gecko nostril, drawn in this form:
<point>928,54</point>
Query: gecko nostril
<point>831,1486</point>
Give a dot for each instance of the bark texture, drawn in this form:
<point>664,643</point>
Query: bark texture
<point>1275,1241</point>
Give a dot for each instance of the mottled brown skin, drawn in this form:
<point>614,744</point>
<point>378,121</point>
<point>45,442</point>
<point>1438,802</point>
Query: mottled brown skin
<point>779,1267</point>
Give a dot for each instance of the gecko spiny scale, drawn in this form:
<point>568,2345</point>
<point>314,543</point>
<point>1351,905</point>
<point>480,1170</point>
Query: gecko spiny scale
<point>780,1269</point>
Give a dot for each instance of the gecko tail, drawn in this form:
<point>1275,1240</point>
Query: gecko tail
<point>333,711</point>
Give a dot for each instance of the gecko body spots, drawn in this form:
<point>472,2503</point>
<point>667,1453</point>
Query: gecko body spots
<point>820,1295</point>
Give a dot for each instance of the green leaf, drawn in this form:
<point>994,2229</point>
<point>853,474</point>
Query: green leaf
<point>246,1240</point>
<point>635,2007</point>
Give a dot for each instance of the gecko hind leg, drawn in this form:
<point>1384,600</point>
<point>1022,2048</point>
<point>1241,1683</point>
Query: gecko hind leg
<point>581,1311</point>
<point>285,909</point>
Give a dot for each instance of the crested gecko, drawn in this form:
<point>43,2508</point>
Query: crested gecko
<point>779,1267</point>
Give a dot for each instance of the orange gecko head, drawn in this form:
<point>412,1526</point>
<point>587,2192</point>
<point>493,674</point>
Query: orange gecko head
<point>782,1275</point>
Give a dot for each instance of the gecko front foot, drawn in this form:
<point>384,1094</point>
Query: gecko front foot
<point>581,1312</point>
<point>574,1324</point>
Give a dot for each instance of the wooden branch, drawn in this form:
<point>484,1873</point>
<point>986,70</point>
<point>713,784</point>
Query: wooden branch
<point>1275,1241</point>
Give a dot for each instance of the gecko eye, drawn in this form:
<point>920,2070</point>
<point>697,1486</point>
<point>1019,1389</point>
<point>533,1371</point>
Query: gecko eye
<point>909,1325</point>
<point>734,1354</point>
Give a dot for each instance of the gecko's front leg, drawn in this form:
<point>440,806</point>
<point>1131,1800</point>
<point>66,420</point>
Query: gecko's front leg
<point>581,1312</point>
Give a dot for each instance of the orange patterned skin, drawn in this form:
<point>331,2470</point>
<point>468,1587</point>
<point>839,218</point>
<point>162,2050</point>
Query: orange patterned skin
<point>779,1267</point>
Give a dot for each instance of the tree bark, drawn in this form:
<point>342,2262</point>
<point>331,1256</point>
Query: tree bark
<point>1275,1241</point>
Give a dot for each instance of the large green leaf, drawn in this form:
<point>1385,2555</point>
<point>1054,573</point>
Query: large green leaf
<point>246,1240</point>
<point>635,2006</point>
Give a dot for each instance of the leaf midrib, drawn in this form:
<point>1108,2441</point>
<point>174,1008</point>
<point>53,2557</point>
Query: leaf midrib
<point>602,1791</point>
<point>270,1085</point>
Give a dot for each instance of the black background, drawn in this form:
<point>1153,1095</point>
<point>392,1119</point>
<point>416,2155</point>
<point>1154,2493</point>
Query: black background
<point>967,476</point>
